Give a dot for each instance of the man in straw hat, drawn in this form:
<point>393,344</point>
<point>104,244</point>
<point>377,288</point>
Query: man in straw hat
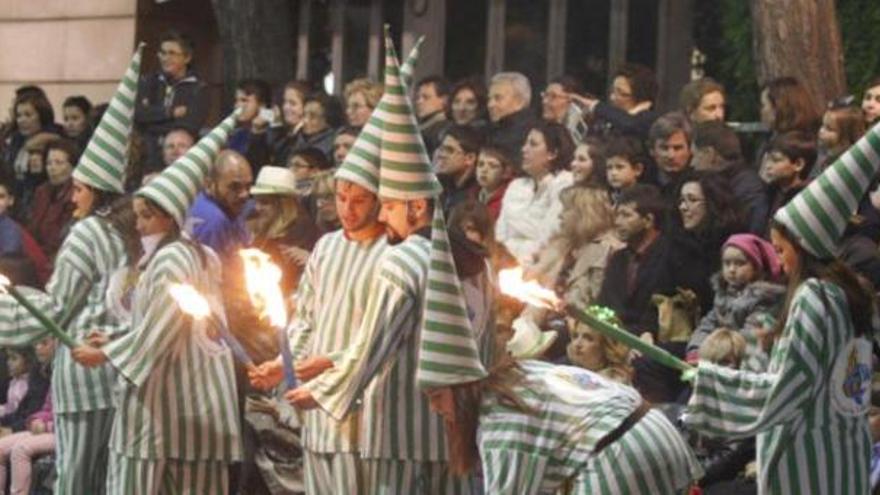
<point>331,302</point>
<point>403,444</point>
<point>809,410</point>
<point>177,426</point>
<point>92,251</point>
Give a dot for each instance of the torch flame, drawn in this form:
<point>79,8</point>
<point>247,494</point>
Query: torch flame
<point>264,286</point>
<point>512,284</point>
<point>190,301</point>
<point>4,283</point>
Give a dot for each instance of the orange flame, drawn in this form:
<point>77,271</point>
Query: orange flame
<point>264,286</point>
<point>530,292</point>
<point>190,300</point>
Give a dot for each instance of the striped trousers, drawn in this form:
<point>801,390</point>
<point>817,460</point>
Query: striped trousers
<point>652,457</point>
<point>82,450</point>
<point>336,472</point>
<point>130,476</point>
<point>400,477</point>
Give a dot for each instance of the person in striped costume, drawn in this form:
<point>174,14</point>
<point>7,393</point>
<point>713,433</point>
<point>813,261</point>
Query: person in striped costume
<point>94,248</point>
<point>176,428</point>
<point>809,409</point>
<point>403,443</point>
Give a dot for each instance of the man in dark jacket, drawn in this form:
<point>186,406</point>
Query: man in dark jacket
<point>509,97</point>
<point>172,97</point>
<point>432,100</point>
<point>455,163</point>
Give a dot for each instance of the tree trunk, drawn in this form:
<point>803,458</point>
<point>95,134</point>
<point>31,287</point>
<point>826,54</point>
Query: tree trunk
<point>800,38</point>
<point>257,37</point>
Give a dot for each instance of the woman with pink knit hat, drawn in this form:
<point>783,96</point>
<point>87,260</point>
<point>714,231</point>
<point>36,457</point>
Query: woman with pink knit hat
<point>748,296</point>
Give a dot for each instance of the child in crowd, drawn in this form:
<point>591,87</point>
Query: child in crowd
<point>19,360</point>
<point>790,157</point>
<point>34,432</point>
<point>841,127</point>
<point>588,165</point>
<point>474,219</point>
<point>494,173</point>
<point>77,125</point>
<point>747,295</point>
<point>305,165</point>
<point>625,164</point>
<point>594,351</point>
<point>10,233</point>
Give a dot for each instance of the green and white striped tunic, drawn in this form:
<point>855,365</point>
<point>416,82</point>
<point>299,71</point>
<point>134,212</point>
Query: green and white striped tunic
<point>809,410</point>
<point>177,396</point>
<point>330,304</point>
<point>91,252</point>
<point>398,422</point>
<point>572,409</point>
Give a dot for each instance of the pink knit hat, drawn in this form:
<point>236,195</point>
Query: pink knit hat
<point>759,252</point>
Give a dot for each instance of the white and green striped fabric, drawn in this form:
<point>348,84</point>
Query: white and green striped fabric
<point>81,451</point>
<point>818,215</point>
<point>175,188</point>
<point>409,65</point>
<point>330,304</point>
<point>361,164</point>
<point>572,410</point>
<point>177,395</point>
<point>448,351</point>
<point>809,439</point>
<point>128,476</point>
<point>103,162</point>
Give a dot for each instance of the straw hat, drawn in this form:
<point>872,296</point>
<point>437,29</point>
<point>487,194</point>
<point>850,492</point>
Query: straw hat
<point>528,340</point>
<point>274,180</point>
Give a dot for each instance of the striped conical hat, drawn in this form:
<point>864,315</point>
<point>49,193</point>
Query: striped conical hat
<point>361,164</point>
<point>817,216</point>
<point>448,352</point>
<point>409,65</point>
<point>175,188</point>
<point>405,169</point>
<point>102,164</point>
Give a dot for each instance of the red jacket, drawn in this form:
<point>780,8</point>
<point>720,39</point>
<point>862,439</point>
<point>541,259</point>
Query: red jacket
<point>51,213</point>
<point>493,202</point>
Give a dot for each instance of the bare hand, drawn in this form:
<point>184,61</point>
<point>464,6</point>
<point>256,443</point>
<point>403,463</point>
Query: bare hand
<point>263,406</point>
<point>259,124</point>
<point>37,427</point>
<point>295,255</point>
<point>266,376</point>
<point>585,101</point>
<point>178,112</point>
<point>311,367</point>
<point>97,338</point>
<point>89,356</point>
<point>301,398</point>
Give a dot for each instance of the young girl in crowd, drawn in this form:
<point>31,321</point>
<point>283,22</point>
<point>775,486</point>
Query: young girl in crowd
<point>841,127</point>
<point>19,361</point>
<point>588,164</point>
<point>747,296</point>
<point>35,431</point>
<point>494,173</point>
<point>77,126</point>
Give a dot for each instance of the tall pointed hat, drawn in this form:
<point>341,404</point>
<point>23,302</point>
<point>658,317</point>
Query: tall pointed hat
<point>175,188</point>
<point>817,216</point>
<point>361,164</point>
<point>103,162</point>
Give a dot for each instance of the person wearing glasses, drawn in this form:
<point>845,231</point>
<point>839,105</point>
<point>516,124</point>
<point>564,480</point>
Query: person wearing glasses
<point>172,97</point>
<point>630,107</point>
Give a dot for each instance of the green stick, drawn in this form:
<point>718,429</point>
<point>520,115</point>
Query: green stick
<point>47,322</point>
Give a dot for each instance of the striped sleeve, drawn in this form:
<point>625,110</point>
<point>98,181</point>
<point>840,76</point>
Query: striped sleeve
<point>738,403</point>
<point>135,353</point>
<point>383,328</point>
<point>299,330</point>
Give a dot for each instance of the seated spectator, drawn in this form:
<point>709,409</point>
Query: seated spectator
<point>322,204</point>
<point>455,162</point>
<point>717,149</point>
<point>33,116</point>
<point>342,143</point>
<point>531,206</point>
<point>588,167</point>
<point>280,226</point>
<point>842,126</point>
<point>77,125</point>
<point>494,173</point>
<point>20,361</point>
<point>283,137</point>
<point>670,141</point>
<point>253,100</point>
<point>556,98</point>
<point>474,220</point>
<point>361,97</point>
<point>320,117</point>
<point>35,147</point>
<point>624,165</point>
<point>10,236</point>
<point>510,95</point>
<point>172,97</point>
<point>871,102</point>
<point>431,101</point>
<point>176,143</point>
<point>630,109</point>
<point>748,296</point>
<point>789,158</point>
<point>703,100</point>
<point>52,209</point>
<point>786,105</point>
<point>305,165</point>
<point>468,103</point>
<point>594,351</point>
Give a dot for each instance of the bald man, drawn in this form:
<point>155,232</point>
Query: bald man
<point>217,218</point>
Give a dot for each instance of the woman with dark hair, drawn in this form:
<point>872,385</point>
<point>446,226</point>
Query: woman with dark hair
<point>322,114</point>
<point>33,115</point>
<point>630,109</point>
<point>282,139</point>
<point>531,206</point>
<point>809,411</point>
<point>468,103</point>
<point>786,105</point>
<point>77,124</point>
<point>871,102</point>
